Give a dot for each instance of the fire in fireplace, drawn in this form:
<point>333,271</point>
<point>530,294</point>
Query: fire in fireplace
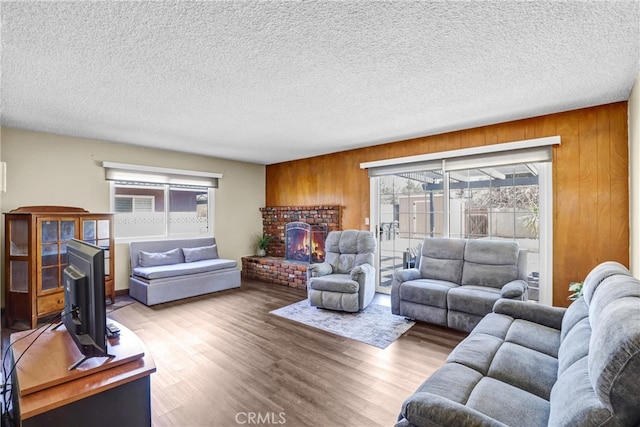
<point>305,242</point>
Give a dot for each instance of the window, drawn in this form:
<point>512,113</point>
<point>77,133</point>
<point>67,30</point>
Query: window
<point>493,192</point>
<point>147,210</point>
<point>129,204</point>
<point>156,202</point>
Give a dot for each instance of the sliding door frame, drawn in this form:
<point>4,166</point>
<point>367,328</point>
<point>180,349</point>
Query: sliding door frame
<point>515,150</point>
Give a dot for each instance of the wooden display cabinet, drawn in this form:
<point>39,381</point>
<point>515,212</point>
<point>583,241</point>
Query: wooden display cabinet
<point>36,239</point>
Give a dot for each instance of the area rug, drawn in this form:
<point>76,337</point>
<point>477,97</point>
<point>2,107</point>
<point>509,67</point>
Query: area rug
<point>375,325</point>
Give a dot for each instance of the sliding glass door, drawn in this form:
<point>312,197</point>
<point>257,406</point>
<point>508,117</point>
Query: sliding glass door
<point>410,208</point>
<point>497,202</point>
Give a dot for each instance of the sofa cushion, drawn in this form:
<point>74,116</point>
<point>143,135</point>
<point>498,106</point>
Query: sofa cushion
<point>490,263</point>
<point>574,346</point>
<point>173,270</point>
<point>577,311</point>
<point>535,336</point>
<point>453,381</point>
<point>334,283</point>
<point>427,292</point>
<point>614,356</point>
<point>442,259</point>
<point>611,290</point>
<point>476,352</point>
<point>341,263</point>
<point>349,248</point>
<point>598,275</point>
<point>494,324</point>
<point>513,365</point>
<point>497,400</point>
<point>477,300</point>
<point>457,395</point>
<point>200,253</point>
<point>150,259</point>
<point>573,401</point>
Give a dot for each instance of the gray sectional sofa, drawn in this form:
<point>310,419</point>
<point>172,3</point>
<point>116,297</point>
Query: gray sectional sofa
<point>456,281</point>
<point>527,364</point>
<point>168,270</point>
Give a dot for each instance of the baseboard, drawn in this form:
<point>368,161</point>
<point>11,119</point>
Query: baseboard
<point>121,292</point>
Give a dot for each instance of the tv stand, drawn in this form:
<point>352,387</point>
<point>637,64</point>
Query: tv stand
<point>99,392</point>
<point>74,365</point>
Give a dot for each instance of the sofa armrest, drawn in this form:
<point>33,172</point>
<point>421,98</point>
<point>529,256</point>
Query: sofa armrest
<point>319,269</point>
<point>366,269</point>
<point>537,313</point>
<point>428,409</point>
<point>407,274</point>
<point>516,289</point>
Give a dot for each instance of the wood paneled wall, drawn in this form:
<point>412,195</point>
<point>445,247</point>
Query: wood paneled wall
<point>590,182</point>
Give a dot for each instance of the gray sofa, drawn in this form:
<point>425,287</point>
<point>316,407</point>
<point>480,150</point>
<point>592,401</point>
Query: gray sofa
<point>527,364</point>
<point>168,270</point>
<point>456,281</point>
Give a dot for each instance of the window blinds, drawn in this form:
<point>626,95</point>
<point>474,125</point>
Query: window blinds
<point>528,151</point>
<point>154,175</point>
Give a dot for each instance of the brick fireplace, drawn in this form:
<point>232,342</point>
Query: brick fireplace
<point>275,268</point>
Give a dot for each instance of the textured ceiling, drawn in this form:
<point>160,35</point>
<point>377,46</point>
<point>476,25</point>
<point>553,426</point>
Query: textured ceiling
<point>273,81</point>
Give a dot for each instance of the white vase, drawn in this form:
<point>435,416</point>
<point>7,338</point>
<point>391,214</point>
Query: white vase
<point>261,252</point>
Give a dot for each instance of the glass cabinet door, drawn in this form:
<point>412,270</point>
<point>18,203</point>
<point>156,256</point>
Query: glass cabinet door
<point>98,232</point>
<point>18,247</point>
<point>54,236</point>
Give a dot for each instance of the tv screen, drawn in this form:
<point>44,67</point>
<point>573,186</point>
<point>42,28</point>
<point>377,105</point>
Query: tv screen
<point>84,314</point>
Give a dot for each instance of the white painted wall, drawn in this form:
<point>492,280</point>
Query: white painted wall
<point>48,169</point>
<point>634,179</point>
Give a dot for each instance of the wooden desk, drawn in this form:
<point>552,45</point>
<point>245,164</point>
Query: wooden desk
<point>102,391</point>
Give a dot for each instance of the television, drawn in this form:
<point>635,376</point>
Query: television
<point>84,315</point>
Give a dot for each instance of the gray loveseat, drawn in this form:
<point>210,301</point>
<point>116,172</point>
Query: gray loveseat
<point>527,364</point>
<point>456,281</point>
<point>168,270</point>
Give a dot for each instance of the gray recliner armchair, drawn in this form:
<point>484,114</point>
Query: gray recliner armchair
<point>346,280</point>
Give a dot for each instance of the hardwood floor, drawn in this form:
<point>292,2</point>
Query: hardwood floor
<point>223,360</point>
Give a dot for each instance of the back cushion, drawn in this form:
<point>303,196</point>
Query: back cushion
<point>614,348</point>
<point>152,259</point>
<point>573,401</point>
<point>577,311</point>
<point>598,274</point>
<point>349,248</point>
<point>490,263</point>
<point>574,346</point>
<point>442,258</point>
<point>200,253</point>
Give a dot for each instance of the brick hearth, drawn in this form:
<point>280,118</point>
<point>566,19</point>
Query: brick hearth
<point>274,268</point>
